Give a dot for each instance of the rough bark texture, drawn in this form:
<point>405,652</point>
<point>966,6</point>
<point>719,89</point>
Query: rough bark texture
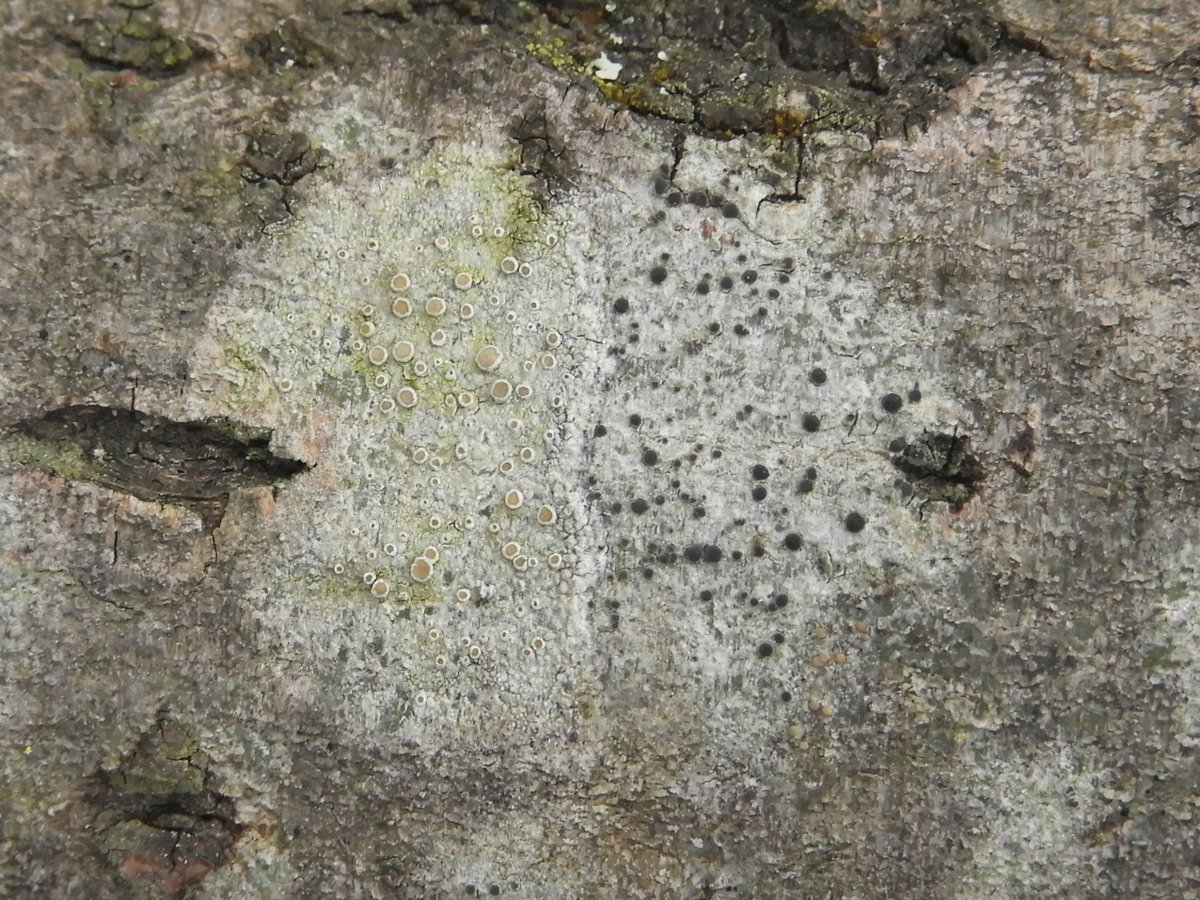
<point>570,449</point>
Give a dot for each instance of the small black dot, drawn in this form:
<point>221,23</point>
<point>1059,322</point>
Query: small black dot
<point>804,486</point>
<point>855,523</point>
<point>811,423</point>
<point>729,211</point>
<point>781,600</point>
<point>891,403</point>
<point>635,420</point>
<point>777,637</point>
<point>761,312</point>
<point>818,376</point>
<point>810,473</point>
<point>674,198</point>
<point>660,500</point>
<point>914,395</point>
<point>759,493</point>
<point>703,288</point>
<point>599,431</point>
<point>740,330</point>
<point>759,472</point>
<point>43,333</point>
<point>793,541</point>
<point>712,553</point>
<point>648,573</point>
<point>387,162</point>
<point>714,327</point>
<point>897,445</point>
<point>698,198</point>
<point>785,696</point>
<point>759,550</point>
<point>661,185</point>
<point>494,890</point>
<point>693,553</point>
<point>749,276</point>
<point>621,306</point>
<point>616,507</point>
<point>726,283</point>
<point>649,457</point>
<point>706,596</point>
<point>639,506</point>
<point>773,294</point>
<point>699,512</point>
<point>717,454</point>
<point>658,275</point>
<point>765,649</point>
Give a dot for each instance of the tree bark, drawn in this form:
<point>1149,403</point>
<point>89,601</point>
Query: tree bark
<point>559,450</point>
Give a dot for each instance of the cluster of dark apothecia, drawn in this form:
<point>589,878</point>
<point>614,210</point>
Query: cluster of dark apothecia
<point>680,504</point>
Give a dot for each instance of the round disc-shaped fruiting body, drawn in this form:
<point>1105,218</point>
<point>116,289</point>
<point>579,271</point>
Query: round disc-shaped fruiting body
<point>501,391</point>
<point>402,308</point>
<point>366,329</point>
<point>400,282</point>
<point>377,355</point>
<point>431,553</point>
<point>435,306</point>
<point>524,391</point>
<point>514,499</point>
<point>525,270</point>
<point>546,515</point>
<point>466,312</point>
<point>488,358</point>
<point>441,242</point>
<point>553,340</point>
<point>421,569</point>
<point>437,337</point>
<point>403,351</point>
<point>406,397</point>
<point>463,280</point>
<point>510,550</point>
<point>380,588</point>
<point>420,456</point>
<point>527,455</point>
<point>509,265</point>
